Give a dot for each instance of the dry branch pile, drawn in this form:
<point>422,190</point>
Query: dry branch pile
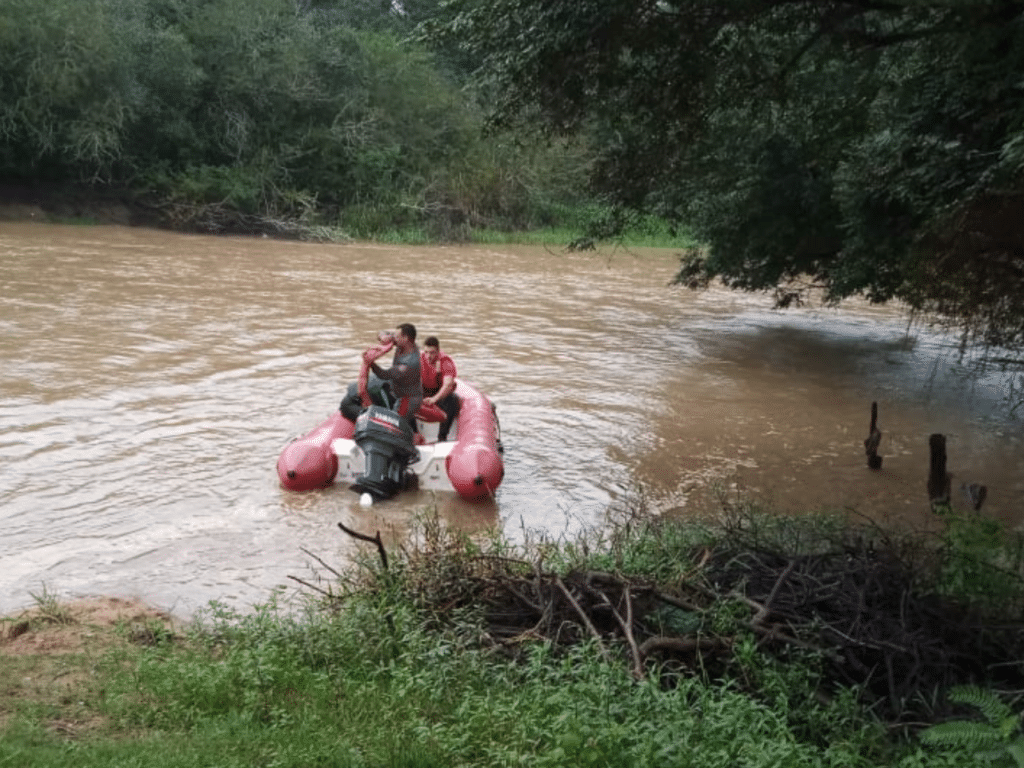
<point>861,608</point>
<point>855,606</point>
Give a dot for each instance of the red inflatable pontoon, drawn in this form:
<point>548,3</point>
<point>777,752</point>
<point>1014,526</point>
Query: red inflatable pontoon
<point>474,466</point>
<point>470,463</point>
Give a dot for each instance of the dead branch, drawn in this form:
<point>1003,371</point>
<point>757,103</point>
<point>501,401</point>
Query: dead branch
<point>765,610</point>
<point>686,605</point>
<point>627,630</point>
<point>325,565</point>
<point>324,592</point>
<point>583,616</point>
<point>854,603</point>
<point>372,540</point>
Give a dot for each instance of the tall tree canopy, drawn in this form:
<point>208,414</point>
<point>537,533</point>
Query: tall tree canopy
<point>243,97</point>
<point>873,146</point>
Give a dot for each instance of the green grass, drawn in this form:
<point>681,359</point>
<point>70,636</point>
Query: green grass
<point>50,608</point>
<point>374,679</point>
<point>654,235</point>
<point>403,236</point>
<point>353,689</point>
<point>554,237</point>
<point>378,225</point>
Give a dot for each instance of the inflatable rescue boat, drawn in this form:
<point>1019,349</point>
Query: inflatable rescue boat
<point>378,453</point>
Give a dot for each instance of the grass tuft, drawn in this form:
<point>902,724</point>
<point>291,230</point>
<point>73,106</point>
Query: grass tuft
<point>50,609</point>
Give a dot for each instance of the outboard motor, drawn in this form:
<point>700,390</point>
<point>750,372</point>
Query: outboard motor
<point>386,439</point>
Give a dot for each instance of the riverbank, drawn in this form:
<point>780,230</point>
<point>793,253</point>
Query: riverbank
<point>63,204</point>
<point>67,204</point>
<point>96,205</point>
<point>661,643</point>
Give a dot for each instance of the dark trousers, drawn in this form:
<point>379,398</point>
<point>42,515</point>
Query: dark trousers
<point>380,394</point>
<point>450,405</point>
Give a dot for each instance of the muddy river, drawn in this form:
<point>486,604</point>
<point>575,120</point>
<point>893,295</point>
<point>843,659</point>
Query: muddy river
<point>149,380</point>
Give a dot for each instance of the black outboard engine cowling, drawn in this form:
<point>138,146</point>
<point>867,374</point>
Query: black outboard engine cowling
<point>386,440</point>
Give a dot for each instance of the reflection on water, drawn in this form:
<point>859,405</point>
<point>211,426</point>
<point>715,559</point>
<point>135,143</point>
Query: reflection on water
<point>150,379</point>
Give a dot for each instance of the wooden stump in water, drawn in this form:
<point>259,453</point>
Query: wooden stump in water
<point>938,478</point>
<point>873,439</point>
<point>976,495</point>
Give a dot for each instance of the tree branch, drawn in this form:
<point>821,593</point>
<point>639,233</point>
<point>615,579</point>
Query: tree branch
<point>372,539</point>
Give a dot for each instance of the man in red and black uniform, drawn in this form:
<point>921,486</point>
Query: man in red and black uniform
<point>437,371</point>
<point>404,374</point>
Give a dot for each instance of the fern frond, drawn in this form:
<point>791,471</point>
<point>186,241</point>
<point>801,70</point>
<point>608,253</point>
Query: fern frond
<point>1016,751</point>
<point>962,733</point>
<point>986,702</point>
<point>1008,726</point>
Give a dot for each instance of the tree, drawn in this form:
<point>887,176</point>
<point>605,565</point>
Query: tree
<point>868,147</point>
<point>67,86</point>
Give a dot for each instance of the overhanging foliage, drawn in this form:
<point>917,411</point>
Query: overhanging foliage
<point>874,146</point>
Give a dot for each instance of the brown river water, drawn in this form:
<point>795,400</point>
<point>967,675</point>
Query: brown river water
<point>149,380</point>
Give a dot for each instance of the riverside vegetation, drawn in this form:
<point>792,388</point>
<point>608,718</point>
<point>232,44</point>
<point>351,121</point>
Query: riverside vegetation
<point>755,641</point>
<point>292,118</point>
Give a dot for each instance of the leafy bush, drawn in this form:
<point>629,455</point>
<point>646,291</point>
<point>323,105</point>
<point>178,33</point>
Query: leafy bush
<point>981,563</point>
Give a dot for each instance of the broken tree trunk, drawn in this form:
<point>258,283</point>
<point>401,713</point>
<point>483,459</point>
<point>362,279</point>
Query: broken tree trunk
<point>938,478</point>
<point>873,439</point>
